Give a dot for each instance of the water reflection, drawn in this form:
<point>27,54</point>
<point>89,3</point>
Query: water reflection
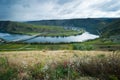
<point>79,38</point>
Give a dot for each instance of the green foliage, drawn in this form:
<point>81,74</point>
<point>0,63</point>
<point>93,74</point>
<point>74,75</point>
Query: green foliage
<point>65,70</point>
<point>113,77</point>
<point>7,71</point>
<point>101,56</point>
<point>112,29</point>
<point>96,44</point>
<point>83,47</point>
<point>37,71</point>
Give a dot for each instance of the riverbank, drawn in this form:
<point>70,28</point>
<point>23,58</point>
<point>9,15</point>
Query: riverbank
<point>96,44</point>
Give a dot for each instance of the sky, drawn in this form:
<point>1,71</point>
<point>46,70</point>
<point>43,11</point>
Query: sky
<point>28,10</point>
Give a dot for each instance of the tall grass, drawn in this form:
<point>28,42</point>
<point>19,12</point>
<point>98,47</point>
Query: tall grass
<point>98,67</point>
<point>102,67</point>
<point>7,71</point>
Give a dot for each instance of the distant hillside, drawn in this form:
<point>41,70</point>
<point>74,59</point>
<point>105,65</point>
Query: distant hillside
<point>112,29</point>
<point>14,27</point>
<point>24,28</point>
<point>105,26</point>
<point>89,24</point>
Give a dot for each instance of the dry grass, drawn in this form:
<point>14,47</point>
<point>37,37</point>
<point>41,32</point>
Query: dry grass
<point>33,57</point>
<point>60,65</point>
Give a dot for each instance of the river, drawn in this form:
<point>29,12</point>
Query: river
<point>25,38</point>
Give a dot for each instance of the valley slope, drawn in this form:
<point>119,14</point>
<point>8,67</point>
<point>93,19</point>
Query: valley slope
<point>91,25</point>
<point>30,29</point>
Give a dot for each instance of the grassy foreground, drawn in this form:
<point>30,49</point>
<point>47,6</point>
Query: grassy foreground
<point>60,65</point>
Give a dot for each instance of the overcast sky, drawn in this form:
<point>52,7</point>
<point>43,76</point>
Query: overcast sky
<point>25,10</point>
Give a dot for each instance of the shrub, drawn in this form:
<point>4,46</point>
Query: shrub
<point>102,68</point>
<point>113,77</point>
<point>83,47</point>
<point>7,71</point>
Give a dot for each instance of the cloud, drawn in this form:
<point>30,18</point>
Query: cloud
<point>22,10</point>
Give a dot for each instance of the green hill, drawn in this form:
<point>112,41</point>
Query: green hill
<point>89,24</point>
<point>105,26</point>
<point>24,28</point>
<point>112,29</point>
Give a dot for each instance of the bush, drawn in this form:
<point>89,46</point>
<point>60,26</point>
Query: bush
<point>113,77</point>
<point>102,67</point>
<point>83,47</point>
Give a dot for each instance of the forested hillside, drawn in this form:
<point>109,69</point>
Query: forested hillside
<point>112,29</point>
<point>89,24</point>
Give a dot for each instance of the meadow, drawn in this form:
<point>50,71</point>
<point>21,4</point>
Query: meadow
<point>60,65</point>
<point>90,60</point>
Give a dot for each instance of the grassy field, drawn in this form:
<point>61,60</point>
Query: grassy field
<point>46,46</point>
<point>60,65</point>
<point>96,44</point>
<point>33,57</point>
<point>90,60</point>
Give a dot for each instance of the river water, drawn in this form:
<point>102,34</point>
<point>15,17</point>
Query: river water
<point>78,38</point>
